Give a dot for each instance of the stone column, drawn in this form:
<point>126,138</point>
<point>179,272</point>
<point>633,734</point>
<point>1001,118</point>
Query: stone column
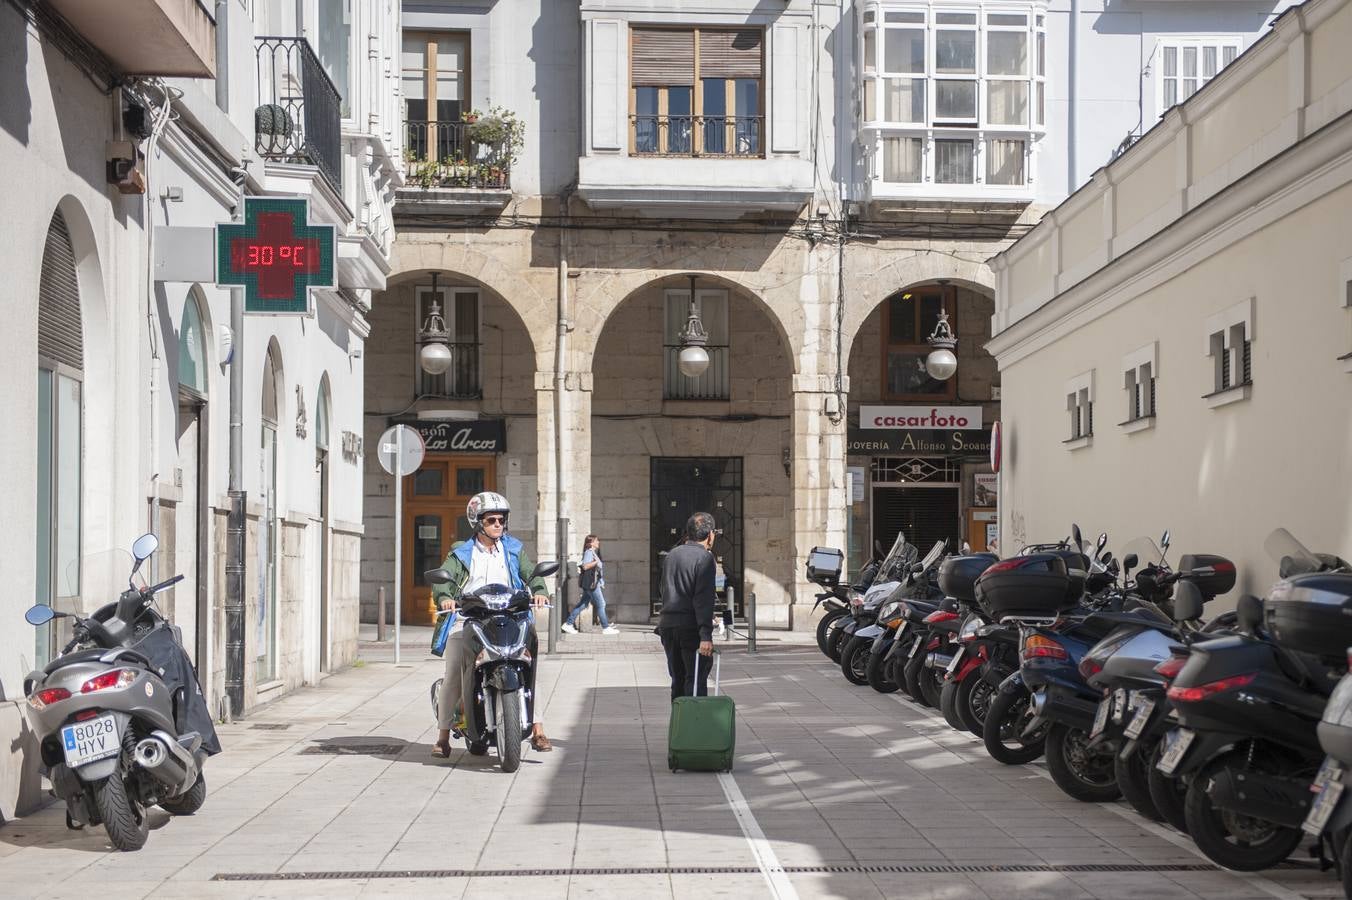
<point>573,484</point>
<point>820,489</point>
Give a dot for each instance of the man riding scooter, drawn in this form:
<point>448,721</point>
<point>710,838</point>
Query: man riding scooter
<point>492,556</point>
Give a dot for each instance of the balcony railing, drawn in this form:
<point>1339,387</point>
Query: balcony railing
<point>711,385</point>
<point>460,381</point>
<point>722,136</point>
<point>441,154</point>
<point>299,118</point>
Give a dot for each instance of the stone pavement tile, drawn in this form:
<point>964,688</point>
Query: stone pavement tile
<point>925,886</point>
<point>696,887</point>
<point>1134,885</point>
<point>550,888</point>
<point>122,890</point>
<point>1029,885</point>
<point>443,888</point>
<point>631,887</point>
<point>337,889</point>
<point>19,888</point>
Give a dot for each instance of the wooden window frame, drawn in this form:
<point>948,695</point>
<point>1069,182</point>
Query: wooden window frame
<point>950,305</point>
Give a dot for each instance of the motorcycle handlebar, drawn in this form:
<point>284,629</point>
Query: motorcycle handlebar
<point>164,584</point>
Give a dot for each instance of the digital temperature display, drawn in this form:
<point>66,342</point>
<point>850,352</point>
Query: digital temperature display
<point>276,256</point>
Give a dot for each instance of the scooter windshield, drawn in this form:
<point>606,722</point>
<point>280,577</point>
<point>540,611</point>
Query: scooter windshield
<point>95,580</point>
<point>1147,552</point>
<point>898,560</point>
<point>933,556</point>
<point>1293,556</point>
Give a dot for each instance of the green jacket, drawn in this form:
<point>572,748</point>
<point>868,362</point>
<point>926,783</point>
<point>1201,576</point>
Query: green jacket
<point>519,566</point>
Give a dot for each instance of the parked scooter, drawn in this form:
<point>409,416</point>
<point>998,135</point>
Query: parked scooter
<point>823,569</point>
<point>497,696</point>
<point>864,608</point>
<point>119,715</point>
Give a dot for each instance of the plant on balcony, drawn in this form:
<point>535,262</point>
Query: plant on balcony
<point>499,130</point>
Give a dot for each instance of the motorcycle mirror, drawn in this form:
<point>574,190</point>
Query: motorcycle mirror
<point>1102,541</point>
<point>878,549</point>
<point>544,569</point>
<point>1107,557</point>
<point>40,615</point>
<point>1077,537</point>
<point>144,545</point>
<point>437,576</point>
<point>1249,612</point>
<point>1187,602</point>
<point>1164,541</point>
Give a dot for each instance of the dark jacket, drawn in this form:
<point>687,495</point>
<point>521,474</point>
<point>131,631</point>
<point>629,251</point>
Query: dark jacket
<point>687,590</point>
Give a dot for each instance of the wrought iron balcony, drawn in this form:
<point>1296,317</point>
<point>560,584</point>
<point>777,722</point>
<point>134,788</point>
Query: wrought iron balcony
<point>721,136</point>
<point>442,154</point>
<point>460,381</point>
<point>299,115</point>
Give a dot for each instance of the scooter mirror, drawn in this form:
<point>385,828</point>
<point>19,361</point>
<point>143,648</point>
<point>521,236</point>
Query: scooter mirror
<point>1164,541</point>
<point>1076,537</point>
<point>1187,602</point>
<point>437,576</point>
<point>1106,558</point>
<point>39,615</point>
<point>1249,612</point>
<point>544,569</point>
<point>145,545</point>
<point>1102,542</point>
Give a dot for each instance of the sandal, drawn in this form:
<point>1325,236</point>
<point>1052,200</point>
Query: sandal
<point>540,744</point>
<point>442,750</point>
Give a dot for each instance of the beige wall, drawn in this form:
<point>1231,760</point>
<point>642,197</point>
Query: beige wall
<point>1220,479</point>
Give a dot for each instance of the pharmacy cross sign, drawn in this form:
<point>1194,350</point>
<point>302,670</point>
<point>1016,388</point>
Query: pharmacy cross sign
<point>275,255</point>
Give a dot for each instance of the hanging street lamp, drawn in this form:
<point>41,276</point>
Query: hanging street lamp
<point>941,362</point>
<point>434,354</point>
<point>693,359</point>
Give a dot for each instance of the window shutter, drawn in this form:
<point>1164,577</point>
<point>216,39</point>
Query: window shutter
<point>730,54</point>
<point>663,57</point>
<point>60,334</point>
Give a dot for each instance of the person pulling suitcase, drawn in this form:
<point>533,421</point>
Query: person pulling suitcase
<point>687,622</point>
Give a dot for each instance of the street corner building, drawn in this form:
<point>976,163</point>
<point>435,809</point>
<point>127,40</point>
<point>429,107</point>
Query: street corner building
<point>814,187</point>
<point>132,130</point>
<point>1176,338</point>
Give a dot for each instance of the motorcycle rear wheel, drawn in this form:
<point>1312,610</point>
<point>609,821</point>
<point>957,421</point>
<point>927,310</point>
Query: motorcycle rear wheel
<point>854,660</point>
<point>1167,793</point>
<point>510,734</point>
<point>948,705</point>
<point>1228,839</point>
<point>123,818</point>
<point>835,642</point>
<point>1133,777</point>
<point>975,696</point>
<point>1003,729</point>
<point>1082,773</point>
<point>915,668</point>
<point>825,626</point>
<point>877,678</point>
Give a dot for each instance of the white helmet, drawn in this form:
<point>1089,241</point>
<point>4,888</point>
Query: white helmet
<point>486,502</point>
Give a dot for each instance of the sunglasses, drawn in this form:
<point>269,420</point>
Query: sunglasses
<point>494,520</point>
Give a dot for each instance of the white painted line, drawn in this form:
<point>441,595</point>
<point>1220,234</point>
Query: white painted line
<point>1163,832</point>
<point>775,876</point>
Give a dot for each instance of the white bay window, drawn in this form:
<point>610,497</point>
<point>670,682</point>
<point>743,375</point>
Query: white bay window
<point>953,95</point>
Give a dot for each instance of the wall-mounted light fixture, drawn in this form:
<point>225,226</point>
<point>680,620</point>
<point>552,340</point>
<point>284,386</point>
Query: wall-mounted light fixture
<point>941,362</point>
<point>433,353</point>
<point>694,359</point>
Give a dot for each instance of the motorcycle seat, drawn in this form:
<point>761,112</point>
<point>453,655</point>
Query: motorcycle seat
<point>70,659</point>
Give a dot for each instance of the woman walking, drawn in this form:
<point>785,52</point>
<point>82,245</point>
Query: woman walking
<point>591,578</point>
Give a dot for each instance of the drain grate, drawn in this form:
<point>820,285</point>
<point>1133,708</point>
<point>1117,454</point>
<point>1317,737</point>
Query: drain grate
<point>271,726</point>
<point>884,869</point>
<point>353,748</point>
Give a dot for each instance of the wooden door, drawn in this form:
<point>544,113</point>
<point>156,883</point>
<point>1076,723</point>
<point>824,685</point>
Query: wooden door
<point>434,520</point>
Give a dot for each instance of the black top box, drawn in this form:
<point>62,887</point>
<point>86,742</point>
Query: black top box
<point>824,565</point>
<point>958,574</point>
<point>1213,575</point>
<point>1033,586</point>
<point>1312,613</point>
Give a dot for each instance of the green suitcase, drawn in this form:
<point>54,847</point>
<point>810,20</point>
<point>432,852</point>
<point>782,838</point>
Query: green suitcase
<point>702,736</point>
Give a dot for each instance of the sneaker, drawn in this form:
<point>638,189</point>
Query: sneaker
<point>610,629</point>
<point>567,629</point>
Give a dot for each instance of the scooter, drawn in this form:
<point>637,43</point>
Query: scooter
<point>498,696</point>
<point>113,711</point>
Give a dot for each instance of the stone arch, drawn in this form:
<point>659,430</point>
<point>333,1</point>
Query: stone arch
<point>893,271</point>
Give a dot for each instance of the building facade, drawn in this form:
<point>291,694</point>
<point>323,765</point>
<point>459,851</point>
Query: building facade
<point>821,181</point>
<point>136,132</point>
<point>1176,336</point>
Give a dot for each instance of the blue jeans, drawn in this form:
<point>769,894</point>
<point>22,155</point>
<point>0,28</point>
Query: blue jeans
<point>595,598</point>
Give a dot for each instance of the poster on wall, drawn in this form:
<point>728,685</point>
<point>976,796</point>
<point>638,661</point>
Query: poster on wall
<point>856,474</point>
<point>985,488</point>
<point>992,537</point>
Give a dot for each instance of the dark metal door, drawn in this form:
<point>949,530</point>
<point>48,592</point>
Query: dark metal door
<point>924,514</point>
<point>682,486</point>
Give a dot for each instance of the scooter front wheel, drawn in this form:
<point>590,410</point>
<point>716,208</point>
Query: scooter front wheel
<point>826,626</point>
<point>1083,772</point>
<point>1003,730</point>
<point>510,734</point>
<point>854,660</point>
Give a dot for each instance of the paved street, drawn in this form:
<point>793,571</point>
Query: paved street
<point>838,792</point>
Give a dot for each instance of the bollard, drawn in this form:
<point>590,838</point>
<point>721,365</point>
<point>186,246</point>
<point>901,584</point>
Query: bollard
<point>730,613</point>
<point>751,622</point>
<point>380,614</point>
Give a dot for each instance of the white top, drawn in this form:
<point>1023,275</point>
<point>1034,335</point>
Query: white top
<point>589,556</point>
<point>486,567</point>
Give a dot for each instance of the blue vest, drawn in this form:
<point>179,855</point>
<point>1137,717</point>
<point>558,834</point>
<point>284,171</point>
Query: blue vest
<point>510,546</point>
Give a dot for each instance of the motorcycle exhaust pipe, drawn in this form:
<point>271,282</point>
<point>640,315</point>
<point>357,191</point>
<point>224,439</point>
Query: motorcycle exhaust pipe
<point>1284,801</point>
<point>167,762</point>
<point>937,660</point>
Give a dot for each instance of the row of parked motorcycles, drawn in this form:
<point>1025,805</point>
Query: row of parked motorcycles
<point>1236,731</point>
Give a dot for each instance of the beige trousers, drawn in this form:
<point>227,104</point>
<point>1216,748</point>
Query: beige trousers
<point>451,685</point>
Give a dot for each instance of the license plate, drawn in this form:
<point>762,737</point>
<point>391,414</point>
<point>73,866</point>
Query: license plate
<point>1176,744</point>
<point>1330,771</point>
<point>1144,707</point>
<point>85,742</point>
<point>1323,808</point>
<point>953,663</point>
<point>1101,717</point>
<point>916,647</point>
<point>901,630</point>
<point>1119,705</point>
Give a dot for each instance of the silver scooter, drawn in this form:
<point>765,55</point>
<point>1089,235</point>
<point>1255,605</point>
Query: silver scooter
<point>110,714</point>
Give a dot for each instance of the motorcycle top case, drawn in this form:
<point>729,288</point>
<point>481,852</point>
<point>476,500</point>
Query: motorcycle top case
<point>1312,613</point>
<point>824,565</point>
<point>1033,586</point>
<point>1219,581</point>
<point>702,735</point>
<point>958,574</point>
<point>1335,729</point>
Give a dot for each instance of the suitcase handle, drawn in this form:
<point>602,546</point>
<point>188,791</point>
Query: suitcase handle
<point>718,671</point>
